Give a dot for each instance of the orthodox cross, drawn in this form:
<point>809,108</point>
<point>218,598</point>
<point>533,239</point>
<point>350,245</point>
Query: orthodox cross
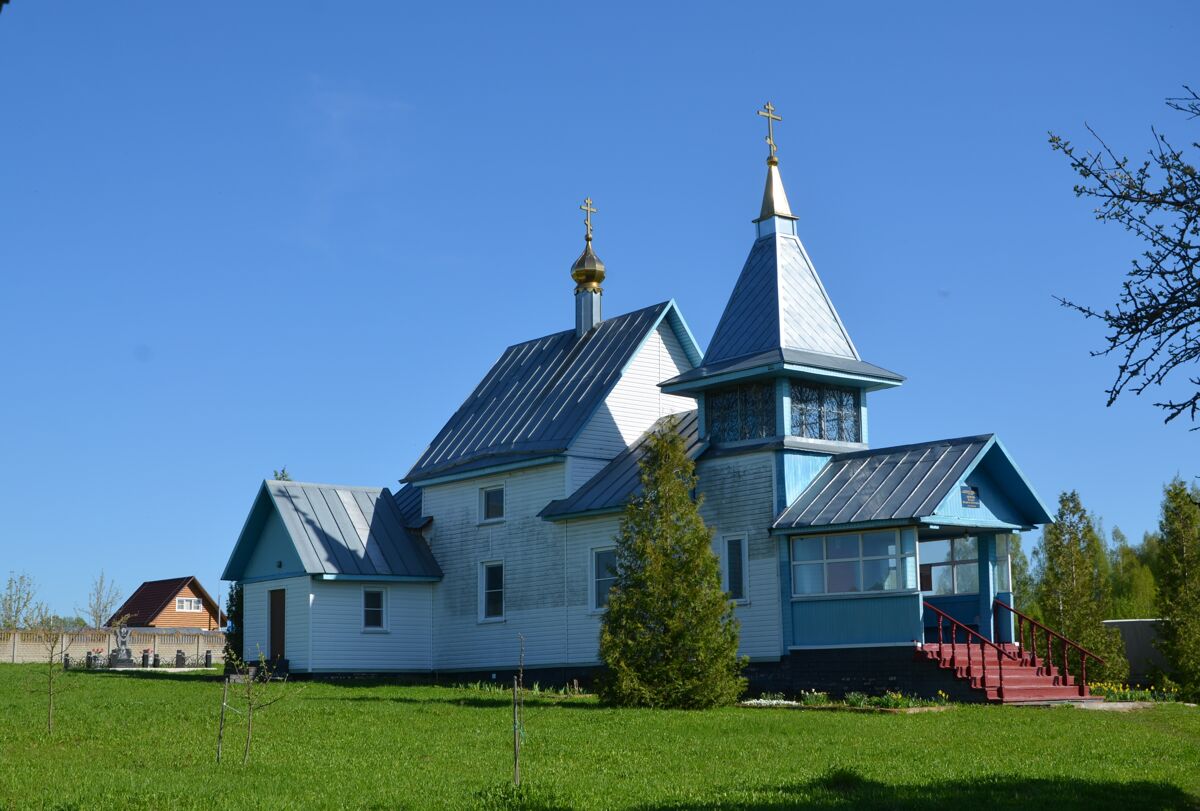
<point>588,211</point>
<point>768,112</point>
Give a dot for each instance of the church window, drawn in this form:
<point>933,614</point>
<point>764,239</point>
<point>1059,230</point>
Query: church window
<point>736,567</point>
<point>373,609</point>
<point>741,412</point>
<point>880,560</point>
<point>825,412</point>
<point>491,591</point>
<point>604,575</point>
<point>491,503</point>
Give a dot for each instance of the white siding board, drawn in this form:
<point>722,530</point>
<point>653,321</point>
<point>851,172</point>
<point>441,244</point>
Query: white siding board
<point>255,618</point>
<point>339,642</point>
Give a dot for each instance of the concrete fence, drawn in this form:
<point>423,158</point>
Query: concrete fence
<point>30,646</point>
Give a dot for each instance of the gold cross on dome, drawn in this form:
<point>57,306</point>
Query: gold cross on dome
<point>588,211</point>
<point>768,112</point>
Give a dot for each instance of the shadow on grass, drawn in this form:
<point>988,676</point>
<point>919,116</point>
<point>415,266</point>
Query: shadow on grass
<point>497,701</point>
<point>152,675</point>
<point>845,789</point>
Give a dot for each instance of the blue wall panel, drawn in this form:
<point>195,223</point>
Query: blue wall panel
<point>274,555</point>
<point>796,471</point>
<point>856,620</point>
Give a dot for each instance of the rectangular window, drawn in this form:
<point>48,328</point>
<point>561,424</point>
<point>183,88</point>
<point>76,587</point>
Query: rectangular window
<point>604,574</point>
<point>825,412</point>
<point>735,567</point>
<point>741,412</point>
<point>848,563</point>
<point>1002,569</point>
<point>492,591</point>
<point>373,608</point>
<point>950,566</point>
<point>491,503</point>
<point>188,604</point>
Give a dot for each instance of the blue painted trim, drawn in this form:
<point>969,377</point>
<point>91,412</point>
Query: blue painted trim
<point>266,578</point>
<point>831,528</point>
<point>785,369</point>
<point>933,520</point>
<point>376,578</point>
<point>227,573</point>
<point>488,471</point>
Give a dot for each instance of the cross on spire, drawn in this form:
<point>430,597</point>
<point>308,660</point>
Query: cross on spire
<point>587,216</point>
<point>768,112</point>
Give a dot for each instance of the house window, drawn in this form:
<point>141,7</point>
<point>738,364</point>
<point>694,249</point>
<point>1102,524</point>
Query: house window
<point>373,609</point>
<point>188,604</point>
<point>825,412</point>
<point>735,567</point>
<point>950,566</point>
<point>491,503</point>
<point>491,598</point>
<point>741,412</point>
<point>881,560</point>
<point>604,575</point>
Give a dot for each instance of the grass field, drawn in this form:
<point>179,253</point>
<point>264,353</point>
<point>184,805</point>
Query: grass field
<point>148,741</point>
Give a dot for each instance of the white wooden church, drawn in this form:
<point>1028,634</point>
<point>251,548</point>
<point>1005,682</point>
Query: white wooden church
<point>846,564</point>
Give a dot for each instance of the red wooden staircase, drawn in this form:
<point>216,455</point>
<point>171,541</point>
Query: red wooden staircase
<point>1011,673</point>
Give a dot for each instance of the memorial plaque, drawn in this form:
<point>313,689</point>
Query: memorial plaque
<point>970,497</point>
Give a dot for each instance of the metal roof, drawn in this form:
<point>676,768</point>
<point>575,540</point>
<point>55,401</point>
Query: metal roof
<point>904,482</point>
<point>777,359</point>
<point>408,500</point>
<point>541,393</point>
<point>779,302</point>
<point>618,481</point>
<point>338,531</point>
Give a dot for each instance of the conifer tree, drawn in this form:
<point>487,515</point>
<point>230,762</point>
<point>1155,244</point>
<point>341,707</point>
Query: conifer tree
<point>1179,583</point>
<point>1074,593</point>
<point>669,637</point>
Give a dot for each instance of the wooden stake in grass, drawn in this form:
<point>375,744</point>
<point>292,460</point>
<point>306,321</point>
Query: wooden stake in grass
<point>221,723</point>
<point>516,739</point>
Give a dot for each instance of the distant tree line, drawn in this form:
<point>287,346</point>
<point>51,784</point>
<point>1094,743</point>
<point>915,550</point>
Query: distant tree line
<point>1073,580</point>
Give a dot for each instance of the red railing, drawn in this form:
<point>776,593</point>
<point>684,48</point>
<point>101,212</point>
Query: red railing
<point>972,637</point>
<point>1049,635</point>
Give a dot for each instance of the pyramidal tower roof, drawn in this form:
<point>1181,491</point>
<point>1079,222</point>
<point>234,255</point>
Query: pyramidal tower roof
<point>779,316</point>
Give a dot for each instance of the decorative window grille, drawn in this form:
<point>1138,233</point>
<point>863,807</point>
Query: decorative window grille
<point>825,412</point>
<point>741,412</point>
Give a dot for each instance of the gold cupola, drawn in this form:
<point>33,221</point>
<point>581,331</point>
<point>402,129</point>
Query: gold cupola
<point>588,273</point>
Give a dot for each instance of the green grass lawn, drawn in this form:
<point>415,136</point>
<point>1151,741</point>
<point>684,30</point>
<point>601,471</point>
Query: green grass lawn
<point>148,741</point>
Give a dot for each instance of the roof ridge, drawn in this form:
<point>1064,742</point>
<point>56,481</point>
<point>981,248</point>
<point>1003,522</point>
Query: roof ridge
<point>572,329</point>
<point>324,484</point>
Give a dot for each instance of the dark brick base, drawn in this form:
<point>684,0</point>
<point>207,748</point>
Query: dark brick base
<point>864,670</point>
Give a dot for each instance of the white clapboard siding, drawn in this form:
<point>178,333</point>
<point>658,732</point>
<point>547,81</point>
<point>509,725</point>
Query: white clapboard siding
<point>635,403</point>
<point>532,552</point>
<point>255,614</point>
<point>739,498</point>
<point>583,623</point>
<point>340,643</point>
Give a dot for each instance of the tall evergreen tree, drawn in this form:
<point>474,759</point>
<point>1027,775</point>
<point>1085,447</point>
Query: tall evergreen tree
<point>669,637</point>
<point>1179,583</point>
<point>1074,592</point>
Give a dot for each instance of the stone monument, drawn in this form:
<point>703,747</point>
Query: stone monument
<point>121,657</point>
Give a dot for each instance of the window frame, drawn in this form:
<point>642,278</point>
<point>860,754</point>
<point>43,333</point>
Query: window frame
<point>899,558</point>
<point>484,565</point>
<point>592,591</point>
<point>744,538</point>
<point>952,564</point>
<point>483,491</point>
<point>194,601</point>
<point>383,627</point>
<point>795,415</point>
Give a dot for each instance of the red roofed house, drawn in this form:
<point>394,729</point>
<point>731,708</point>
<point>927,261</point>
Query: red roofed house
<point>178,602</point>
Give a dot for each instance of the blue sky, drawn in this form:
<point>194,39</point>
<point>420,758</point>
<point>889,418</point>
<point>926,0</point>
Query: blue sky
<point>234,237</point>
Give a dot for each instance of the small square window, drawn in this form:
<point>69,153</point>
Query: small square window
<point>492,503</point>
<point>493,591</point>
<point>372,608</point>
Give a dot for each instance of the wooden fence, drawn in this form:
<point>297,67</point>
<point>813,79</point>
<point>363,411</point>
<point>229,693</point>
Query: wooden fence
<point>30,646</point>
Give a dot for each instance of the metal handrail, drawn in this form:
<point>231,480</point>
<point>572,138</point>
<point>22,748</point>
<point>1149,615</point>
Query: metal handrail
<point>984,644</point>
<point>1050,633</point>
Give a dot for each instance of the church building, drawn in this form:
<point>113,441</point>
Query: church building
<point>850,568</point>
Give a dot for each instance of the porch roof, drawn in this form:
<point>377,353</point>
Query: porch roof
<point>913,483</point>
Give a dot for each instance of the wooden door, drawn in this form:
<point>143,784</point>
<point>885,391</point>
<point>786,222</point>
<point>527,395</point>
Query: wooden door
<point>276,616</point>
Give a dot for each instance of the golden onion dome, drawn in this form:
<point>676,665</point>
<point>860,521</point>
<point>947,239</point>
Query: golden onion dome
<point>588,270</point>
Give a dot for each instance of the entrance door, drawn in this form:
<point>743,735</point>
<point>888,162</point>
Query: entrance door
<point>275,614</point>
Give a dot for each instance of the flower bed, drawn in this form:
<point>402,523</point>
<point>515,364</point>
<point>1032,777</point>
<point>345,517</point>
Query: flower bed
<point>890,701</point>
<point>1112,691</point>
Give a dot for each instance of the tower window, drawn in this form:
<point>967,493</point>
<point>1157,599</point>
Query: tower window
<point>741,412</point>
<point>825,412</point>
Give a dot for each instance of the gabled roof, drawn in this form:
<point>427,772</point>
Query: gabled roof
<point>150,598</point>
<point>618,481</point>
<point>540,394</point>
<point>906,482</point>
<point>779,303</point>
<point>349,531</point>
<point>408,500</point>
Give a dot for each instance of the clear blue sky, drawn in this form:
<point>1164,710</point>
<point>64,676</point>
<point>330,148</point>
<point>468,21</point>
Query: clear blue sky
<point>238,236</point>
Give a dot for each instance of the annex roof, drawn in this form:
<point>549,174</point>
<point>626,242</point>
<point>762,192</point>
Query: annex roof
<point>540,394</point>
<point>348,531</point>
<point>618,481</point>
<point>906,482</point>
<point>150,598</point>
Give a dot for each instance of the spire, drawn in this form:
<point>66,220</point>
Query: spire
<point>775,202</point>
<point>588,273</point>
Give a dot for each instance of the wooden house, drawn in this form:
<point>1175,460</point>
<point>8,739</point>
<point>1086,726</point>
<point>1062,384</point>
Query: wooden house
<point>177,602</point>
<point>850,568</point>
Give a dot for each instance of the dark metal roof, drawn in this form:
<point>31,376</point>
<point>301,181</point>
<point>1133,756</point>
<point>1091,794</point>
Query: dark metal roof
<point>408,500</point>
<point>619,480</point>
<point>904,482</point>
<point>775,359</point>
<point>541,393</point>
<point>150,598</point>
<point>338,531</point>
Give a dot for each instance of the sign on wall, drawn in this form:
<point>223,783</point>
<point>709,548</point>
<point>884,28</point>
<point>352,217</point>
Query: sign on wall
<point>970,496</point>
